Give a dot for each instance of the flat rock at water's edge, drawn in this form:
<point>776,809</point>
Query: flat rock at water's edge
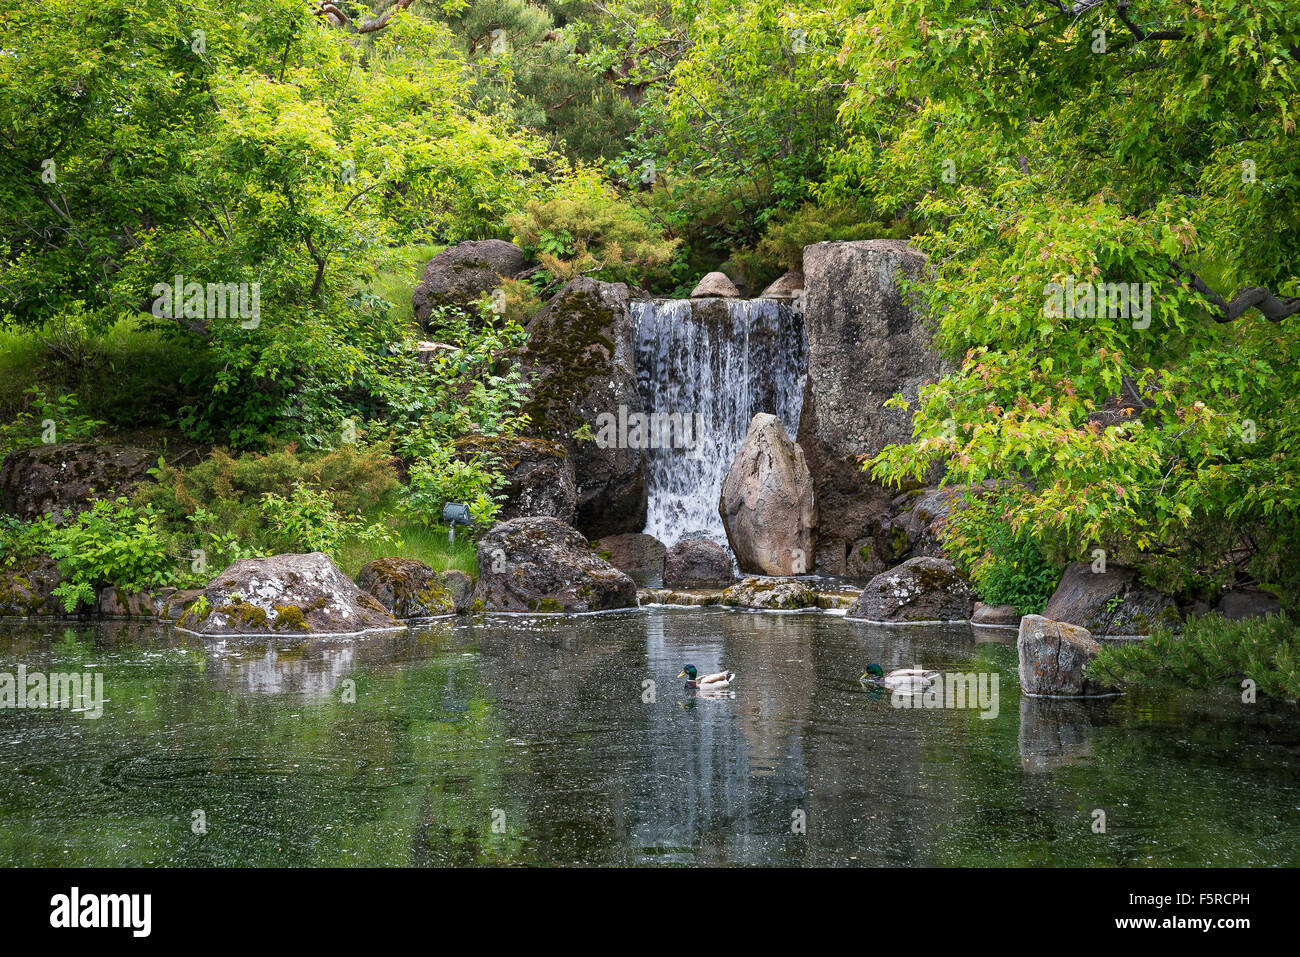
<point>285,594</point>
<point>920,589</point>
<point>542,564</point>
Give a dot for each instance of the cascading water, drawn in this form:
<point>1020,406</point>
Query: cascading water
<point>720,362</point>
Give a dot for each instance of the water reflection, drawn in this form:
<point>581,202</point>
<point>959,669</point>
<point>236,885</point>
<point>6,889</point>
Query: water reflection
<point>537,739</point>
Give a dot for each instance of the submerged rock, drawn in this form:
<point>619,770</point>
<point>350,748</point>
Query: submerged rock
<point>542,564</point>
<point>639,556</point>
<point>62,480</point>
<point>770,593</point>
<point>767,502</point>
<point>1112,602</point>
<point>285,594</point>
<point>461,274</point>
<point>1054,656</point>
<point>715,285</point>
<point>696,562</point>
<point>920,589</point>
<point>407,588</point>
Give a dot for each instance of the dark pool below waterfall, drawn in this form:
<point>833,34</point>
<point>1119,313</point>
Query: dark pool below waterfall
<point>531,740</point>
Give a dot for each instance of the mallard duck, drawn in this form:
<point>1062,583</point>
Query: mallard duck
<point>718,681</point>
<point>901,679</point>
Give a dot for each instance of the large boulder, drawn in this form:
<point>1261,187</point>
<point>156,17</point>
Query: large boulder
<point>1054,657</point>
<point>696,563</point>
<point>407,588</point>
<point>775,594</point>
<point>62,480</point>
<point>285,594</point>
<point>539,475</point>
<point>27,588</point>
<point>579,361</point>
<point>767,502</point>
<point>920,589</point>
<point>715,285</point>
<point>542,564</point>
<point>1110,603</point>
<point>459,275</point>
<point>865,344</point>
<point>639,556</point>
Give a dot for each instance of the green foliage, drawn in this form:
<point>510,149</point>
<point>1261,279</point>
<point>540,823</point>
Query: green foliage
<point>20,541</point>
<point>1196,476</point>
<point>788,232</point>
<point>282,154</point>
<point>308,520</point>
<point>45,419</point>
<point>111,543</point>
<point>439,476</point>
<point>1211,651</point>
<point>988,538</point>
<point>586,228</point>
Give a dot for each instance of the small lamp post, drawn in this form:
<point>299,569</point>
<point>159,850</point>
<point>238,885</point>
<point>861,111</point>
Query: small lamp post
<point>453,513</point>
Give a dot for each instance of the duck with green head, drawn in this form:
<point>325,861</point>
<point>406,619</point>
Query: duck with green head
<point>901,679</point>
<point>716,681</point>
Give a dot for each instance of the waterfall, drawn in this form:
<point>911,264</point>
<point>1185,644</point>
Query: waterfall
<point>721,362</point>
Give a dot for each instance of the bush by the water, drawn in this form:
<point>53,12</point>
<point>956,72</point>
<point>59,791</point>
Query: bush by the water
<point>1212,651</point>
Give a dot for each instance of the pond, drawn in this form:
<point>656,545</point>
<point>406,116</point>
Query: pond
<point>537,740</point>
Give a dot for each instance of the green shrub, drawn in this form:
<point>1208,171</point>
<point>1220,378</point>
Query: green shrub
<point>586,228</point>
<point>1007,564</point>
<point>308,520</point>
<point>1211,651</point>
<point>112,543</point>
<point>54,419</point>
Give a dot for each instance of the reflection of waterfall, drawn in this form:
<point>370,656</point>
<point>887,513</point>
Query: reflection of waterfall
<point>724,360</point>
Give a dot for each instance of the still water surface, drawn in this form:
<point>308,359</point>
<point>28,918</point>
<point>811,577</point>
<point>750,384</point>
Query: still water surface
<point>535,740</point>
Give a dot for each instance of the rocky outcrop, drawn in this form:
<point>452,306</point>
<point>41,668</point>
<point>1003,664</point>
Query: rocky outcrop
<point>696,563</point>
<point>27,589</point>
<point>1110,603</point>
<point>787,287</point>
<point>460,275</point>
<point>579,361</point>
<point>62,480</point>
<point>920,589</point>
<point>640,557</point>
<point>285,595</point>
<point>864,345</point>
<point>544,565</point>
<point>539,475</point>
<point>767,502</point>
<point>715,285</point>
<point>1054,657</point>
<point>407,588</point>
<point>780,594</point>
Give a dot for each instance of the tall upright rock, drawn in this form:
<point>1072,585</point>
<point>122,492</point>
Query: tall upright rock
<point>865,343</point>
<point>767,503</point>
<point>579,362</point>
